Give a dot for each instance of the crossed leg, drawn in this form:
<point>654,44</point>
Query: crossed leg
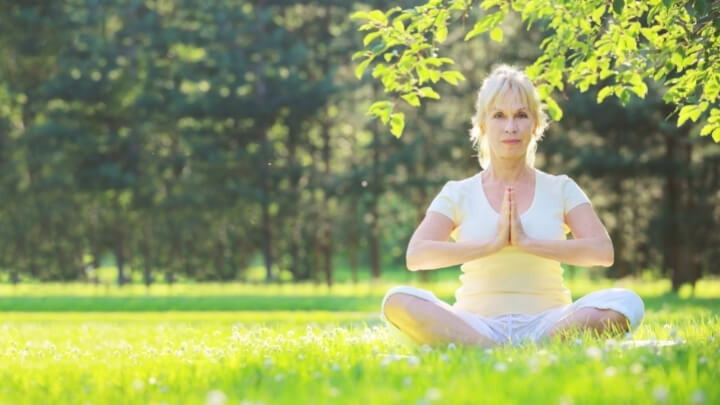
<point>426,322</point>
<point>599,321</point>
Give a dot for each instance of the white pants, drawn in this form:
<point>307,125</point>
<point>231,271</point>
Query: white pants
<point>515,328</point>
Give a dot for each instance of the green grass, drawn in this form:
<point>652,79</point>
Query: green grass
<point>337,354</point>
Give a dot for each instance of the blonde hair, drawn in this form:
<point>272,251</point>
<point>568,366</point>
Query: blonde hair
<point>502,80</point>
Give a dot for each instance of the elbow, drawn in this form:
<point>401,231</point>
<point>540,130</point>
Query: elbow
<point>410,262</point>
<point>411,259</point>
<point>609,258</point>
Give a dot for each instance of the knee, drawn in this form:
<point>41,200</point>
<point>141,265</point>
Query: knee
<point>398,307</point>
<point>632,303</point>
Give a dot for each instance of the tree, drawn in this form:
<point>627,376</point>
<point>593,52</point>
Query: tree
<point>618,44</point>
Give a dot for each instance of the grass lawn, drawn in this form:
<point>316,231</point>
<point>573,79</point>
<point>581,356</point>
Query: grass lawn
<point>336,353</point>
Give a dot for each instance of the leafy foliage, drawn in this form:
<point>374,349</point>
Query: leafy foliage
<point>618,48</point>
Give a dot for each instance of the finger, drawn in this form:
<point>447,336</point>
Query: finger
<point>506,202</point>
<point>512,204</point>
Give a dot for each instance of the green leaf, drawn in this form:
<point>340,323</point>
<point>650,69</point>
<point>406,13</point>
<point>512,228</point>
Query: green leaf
<point>623,95</point>
<point>691,112</point>
<point>701,8</point>
<point>597,14</point>
<point>618,6</point>
<point>423,73</point>
<point>452,77</point>
<point>638,86</point>
<point>412,99</point>
<point>370,37</point>
<point>434,76</point>
<point>496,34</point>
<point>553,109</point>
<point>604,92</point>
<point>397,124</point>
<point>485,24</point>
<point>428,92</point>
<point>361,68</point>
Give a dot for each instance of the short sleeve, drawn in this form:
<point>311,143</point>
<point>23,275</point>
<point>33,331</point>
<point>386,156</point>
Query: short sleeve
<point>446,202</point>
<point>573,195</point>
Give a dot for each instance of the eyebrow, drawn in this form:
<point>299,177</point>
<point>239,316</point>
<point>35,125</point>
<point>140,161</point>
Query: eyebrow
<point>519,109</point>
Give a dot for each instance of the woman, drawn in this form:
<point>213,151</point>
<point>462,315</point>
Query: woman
<point>509,223</point>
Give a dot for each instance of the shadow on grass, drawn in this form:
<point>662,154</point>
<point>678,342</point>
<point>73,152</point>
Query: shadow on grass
<point>668,302</point>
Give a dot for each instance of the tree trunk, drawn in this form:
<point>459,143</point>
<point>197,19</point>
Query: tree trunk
<point>375,187</point>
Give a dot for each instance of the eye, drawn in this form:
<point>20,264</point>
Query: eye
<point>522,115</point>
<point>498,115</point>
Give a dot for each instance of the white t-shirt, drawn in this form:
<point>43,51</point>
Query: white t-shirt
<point>510,281</point>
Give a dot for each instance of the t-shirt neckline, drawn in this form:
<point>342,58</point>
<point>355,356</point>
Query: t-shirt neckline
<point>487,201</point>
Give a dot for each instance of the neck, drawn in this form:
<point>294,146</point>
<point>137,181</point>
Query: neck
<point>508,172</point>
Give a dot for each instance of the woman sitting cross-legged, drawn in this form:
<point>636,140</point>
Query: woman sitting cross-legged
<point>509,225</point>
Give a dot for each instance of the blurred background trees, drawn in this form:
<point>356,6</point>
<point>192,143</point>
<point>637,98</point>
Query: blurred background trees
<point>228,140</point>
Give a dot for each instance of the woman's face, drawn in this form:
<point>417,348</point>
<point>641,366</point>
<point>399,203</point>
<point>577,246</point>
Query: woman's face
<point>509,127</point>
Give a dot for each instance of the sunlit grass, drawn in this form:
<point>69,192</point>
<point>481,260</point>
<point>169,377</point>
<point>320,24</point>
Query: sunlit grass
<point>333,357</point>
<point>336,351</point>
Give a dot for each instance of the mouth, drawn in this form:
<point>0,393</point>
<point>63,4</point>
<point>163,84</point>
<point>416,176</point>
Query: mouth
<point>512,142</point>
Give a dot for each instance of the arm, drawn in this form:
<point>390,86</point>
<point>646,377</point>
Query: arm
<point>591,245</point>
<point>429,247</point>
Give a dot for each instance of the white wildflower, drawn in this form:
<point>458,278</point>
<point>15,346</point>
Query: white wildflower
<point>426,348</point>
<point>565,400</point>
<point>702,360</point>
<point>636,368</point>
<point>697,397</point>
<point>433,394</point>
<point>593,352</point>
<point>610,371</point>
<point>413,360</point>
<point>451,346</point>
<point>407,381</point>
<point>138,385</point>
<point>500,367</point>
<point>660,393</point>
<point>215,397</point>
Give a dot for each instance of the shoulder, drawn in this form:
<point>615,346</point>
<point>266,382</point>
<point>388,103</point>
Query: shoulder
<point>555,180</point>
<point>462,186</point>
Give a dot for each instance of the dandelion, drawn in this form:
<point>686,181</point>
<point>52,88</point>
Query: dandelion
<point>413,360</point>
<point>426,348</point>
<point>578,342</point>
<point>444,358</point>
<point>335,367</point>
<point>433,394</point>
<point>333,392</point>
<point>451,346</point>
<point>660,393</point>
<point>702,360</point>
<point>697,397</point>
<point>138,385</point>
<point>636,368</point>
<point>152,380</point>
<point>533,364</point>
<point>593,352</point>
<point>407,381</point>
<point>552,358</point>
<point>610,344</point>
<point>565,400</point>
<point>610,371</point>
<point>500,367</point>
<point>215,397</point>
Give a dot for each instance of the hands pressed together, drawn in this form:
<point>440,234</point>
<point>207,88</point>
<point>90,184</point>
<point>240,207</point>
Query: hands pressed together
<point>510,231</point>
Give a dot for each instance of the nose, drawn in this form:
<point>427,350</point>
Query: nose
<point>511,126</point>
